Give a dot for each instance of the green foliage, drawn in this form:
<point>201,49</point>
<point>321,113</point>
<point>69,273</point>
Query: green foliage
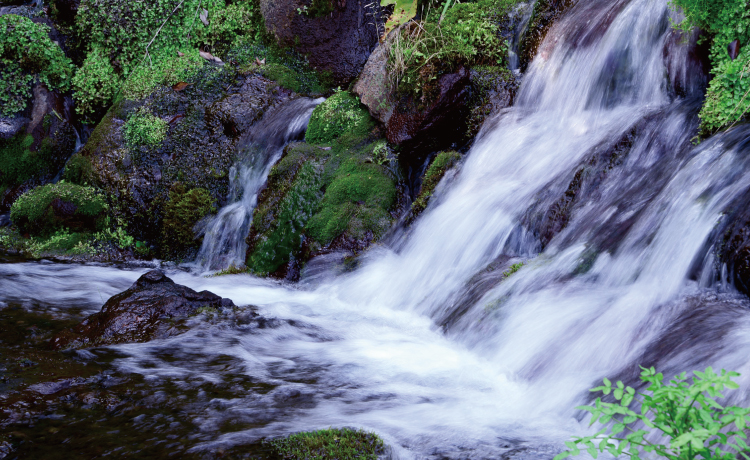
<point>289,69</point>
<point>467,35</point>
<point>33,211</point>
<point>78,170</point>
<point>284,240</point>
<point>26,51</point>
<point>357,199</point>
<point>116,33</point>
<point>183,210</point>
<point>512,269</point>
<point>95,84</point>
<point>19,163</point>
<point>62,242</point>
<point>341,444</point>
<point>144,129</point>
<point>163,69</point>
<point>687,413</point>
<point>339,114</point>
<point>728,97</point>
<point>439,166</point>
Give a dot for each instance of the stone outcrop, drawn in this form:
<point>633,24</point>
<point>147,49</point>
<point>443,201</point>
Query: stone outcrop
<point>337,36</point>
<point>148,310</point>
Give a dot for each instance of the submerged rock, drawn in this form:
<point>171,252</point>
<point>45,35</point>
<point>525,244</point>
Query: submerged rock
<point>148,310</point>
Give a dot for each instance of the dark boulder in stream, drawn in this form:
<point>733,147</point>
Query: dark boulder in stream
<point>150,309</point>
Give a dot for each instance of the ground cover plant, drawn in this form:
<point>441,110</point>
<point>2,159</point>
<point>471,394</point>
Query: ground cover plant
<point>687,412</point>
<point>26,55</point>
<point>341,444</point>
<point>728,24</point>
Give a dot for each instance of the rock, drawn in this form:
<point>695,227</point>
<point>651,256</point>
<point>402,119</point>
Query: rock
<point>434,126</point>
<point>686,58</point>
<point>10,127</point>
<point>207,124</point>
<point>65,10</point>
<point>148,310</point>
<point>337,36</point>
<point>373,86</point>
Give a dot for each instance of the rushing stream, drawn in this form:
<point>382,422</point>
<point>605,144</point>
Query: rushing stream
<point>420,343</point>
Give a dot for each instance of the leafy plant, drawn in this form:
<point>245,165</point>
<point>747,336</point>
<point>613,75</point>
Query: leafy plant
<point>728,96</point>
<point>95,84</point>
<point>339,114</point>
<point>144,129</point>
<point>26,52</point>
<point>688,414</point>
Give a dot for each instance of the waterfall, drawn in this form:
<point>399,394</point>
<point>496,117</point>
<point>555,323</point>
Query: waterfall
<point>224,235</point>
<point>427,342</point>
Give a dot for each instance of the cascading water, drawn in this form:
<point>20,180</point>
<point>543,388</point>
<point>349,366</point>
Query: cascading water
<point>224,235</point>
<point>425,343</point>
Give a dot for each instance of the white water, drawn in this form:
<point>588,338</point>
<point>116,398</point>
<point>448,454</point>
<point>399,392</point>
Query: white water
<point>224,235</point>
<point>374,348</point>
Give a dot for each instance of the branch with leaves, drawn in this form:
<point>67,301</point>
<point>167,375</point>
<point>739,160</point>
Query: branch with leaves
<point>688,414</point>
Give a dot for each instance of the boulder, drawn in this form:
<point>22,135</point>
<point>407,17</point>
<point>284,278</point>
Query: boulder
<point>419,127</point>
<point>148,310</point>
<point>374,87</point>
<point>337,36</point>
<point>207,123</point>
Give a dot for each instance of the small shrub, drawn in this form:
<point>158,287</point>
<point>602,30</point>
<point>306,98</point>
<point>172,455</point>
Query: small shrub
<point>144,129</point>
<point>339,114</point>
<point>688,414</point>
<point>52,207</point>
<point>26,51</point>
<point>183,210</point>
<point>341,444</point>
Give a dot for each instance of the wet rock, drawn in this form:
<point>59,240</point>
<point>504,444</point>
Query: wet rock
<point>493,89</point>
<point>419,127</point>
<point>546,13</point>
<point>150,309</point>
<point>207,125</point>
<point>374,87</point>
<point>337,36</point>
<point>686,58</point>
<point>10,127</point>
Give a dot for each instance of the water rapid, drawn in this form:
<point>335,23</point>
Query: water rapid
<point>224,235</point>
<point>427,343</point>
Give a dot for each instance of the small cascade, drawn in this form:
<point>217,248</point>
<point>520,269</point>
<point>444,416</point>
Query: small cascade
<point>224,235</point>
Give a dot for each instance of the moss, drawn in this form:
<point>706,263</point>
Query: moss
<point>183,210</point>
<point>275,248</point>
<point>27,53</point>
<point>79,170</point>
<point>285,66</point>
<point>53,207</point>
<point>358,200</point>
<point>439,166</point>
<point>340,114</point>
<point>144,129</point>
<point>341,444</point>
<point>487,81</point>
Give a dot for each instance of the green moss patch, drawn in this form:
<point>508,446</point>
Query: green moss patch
<point>183,210</point>
<point>144,129</point>
<point>439,166</point>
<point>341,444</point>
<point>26,54</point>
<point>53,207</point>
<point>340,114</point>
<point>357,199</point>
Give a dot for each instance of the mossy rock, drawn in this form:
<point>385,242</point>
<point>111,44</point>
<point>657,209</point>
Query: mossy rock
<point>53,207</point>
<point>183,210</point>
<point>435,172</point>
<point>340,114</point>
<point>341,444</point>
<point>319,199</point>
